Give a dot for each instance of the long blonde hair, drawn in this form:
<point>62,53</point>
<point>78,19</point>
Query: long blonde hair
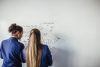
<point>32,50</point>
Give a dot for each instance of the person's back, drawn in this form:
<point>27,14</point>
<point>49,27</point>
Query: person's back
<point>38,55</point>
<point>46,57</point>
<point>11,51</point>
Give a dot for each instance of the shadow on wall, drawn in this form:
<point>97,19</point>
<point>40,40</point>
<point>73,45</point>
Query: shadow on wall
<point>62,56</point>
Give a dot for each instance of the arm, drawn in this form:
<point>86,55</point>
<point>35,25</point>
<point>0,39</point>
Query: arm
<point>49,57</point>
<point>1,51</point>
<point>23,55</point>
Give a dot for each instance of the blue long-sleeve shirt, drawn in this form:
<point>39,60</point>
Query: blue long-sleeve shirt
<point>46,59</point>
<point>11,51</point>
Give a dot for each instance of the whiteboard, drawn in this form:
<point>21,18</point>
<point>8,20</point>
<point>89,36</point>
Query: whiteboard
<point>70,28</point>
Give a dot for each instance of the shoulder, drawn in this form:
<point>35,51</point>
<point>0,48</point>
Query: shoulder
<point>4,41</point>
<point>45,46</point>
<point>22,45</point>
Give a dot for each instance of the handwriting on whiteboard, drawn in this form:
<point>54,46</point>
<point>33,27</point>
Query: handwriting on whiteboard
<point>47,35</point>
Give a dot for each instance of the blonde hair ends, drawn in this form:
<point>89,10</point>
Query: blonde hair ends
<point>32,52</point>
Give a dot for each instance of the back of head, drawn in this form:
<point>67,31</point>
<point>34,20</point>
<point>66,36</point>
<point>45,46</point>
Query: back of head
<point>37,35</point>
<point>13,28</point>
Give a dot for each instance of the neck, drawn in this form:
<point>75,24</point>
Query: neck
<point>15,36</point>
<point>39,45</point>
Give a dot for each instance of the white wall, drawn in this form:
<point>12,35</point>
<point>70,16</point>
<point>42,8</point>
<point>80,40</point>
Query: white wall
<point>76,22</point>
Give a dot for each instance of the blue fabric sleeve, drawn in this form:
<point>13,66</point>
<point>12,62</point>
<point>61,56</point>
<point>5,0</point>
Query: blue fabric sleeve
<point>49,57</point>
<point>1,50</point>
<point>23,55</point>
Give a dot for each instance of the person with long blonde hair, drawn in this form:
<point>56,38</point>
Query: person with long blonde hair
<point>37,54</point>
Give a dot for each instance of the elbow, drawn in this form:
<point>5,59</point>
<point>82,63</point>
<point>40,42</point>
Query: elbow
<point>50,62</point>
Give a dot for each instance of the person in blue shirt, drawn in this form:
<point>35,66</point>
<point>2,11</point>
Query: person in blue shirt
<point>37,54</point>
<point>11,50</point>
